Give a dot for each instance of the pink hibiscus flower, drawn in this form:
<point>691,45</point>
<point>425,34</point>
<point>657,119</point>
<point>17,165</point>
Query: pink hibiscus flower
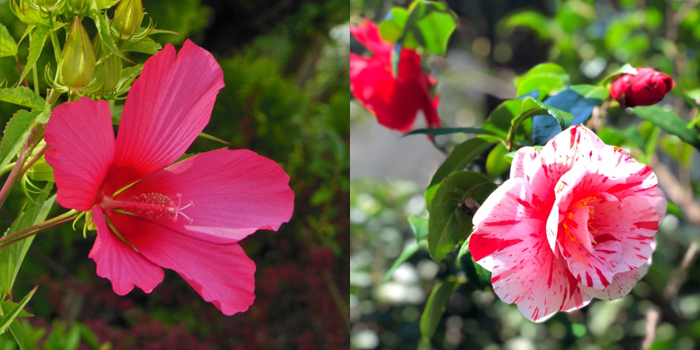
<point>188,216</point>
<point>576,220</point>
<point>395,101</point>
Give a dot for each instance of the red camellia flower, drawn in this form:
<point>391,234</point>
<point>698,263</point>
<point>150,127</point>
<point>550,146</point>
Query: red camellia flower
<point>394,100</point>
<point>576,220</point>
<point>646,88</point>
<point>188,216</point>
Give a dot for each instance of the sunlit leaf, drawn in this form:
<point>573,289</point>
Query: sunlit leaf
<point>578,100</point>
<point>24,97</point>
<point>36,44</point>
<point>15,135</point>
<point>10,316</point>
<point>545,77</point>
<point>8,45</point>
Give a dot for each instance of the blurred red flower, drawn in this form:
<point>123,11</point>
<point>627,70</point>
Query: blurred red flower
<point>646,88</point>
<point>394,100</point>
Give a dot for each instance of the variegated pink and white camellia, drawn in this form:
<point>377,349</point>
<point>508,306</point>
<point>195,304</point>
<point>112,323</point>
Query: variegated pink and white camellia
<point>576,220</point>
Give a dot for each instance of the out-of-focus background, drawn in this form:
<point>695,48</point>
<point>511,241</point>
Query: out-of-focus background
<point>285,67</point>
<point>494,42</point>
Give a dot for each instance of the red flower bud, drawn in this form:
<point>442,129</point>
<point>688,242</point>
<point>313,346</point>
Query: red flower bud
<point>646,88</point>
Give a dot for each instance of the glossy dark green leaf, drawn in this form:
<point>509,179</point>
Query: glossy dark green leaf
<point>669,122</point>
<point>392,26</point>
<point>476,274</point>
<point>431,23</point>
<point>447,131</point>
<point>435,307</point>
<point>460,157</point>
<point>448,224</point>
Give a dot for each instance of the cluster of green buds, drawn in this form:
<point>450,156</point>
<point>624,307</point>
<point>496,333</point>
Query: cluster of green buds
<point>91,67</point>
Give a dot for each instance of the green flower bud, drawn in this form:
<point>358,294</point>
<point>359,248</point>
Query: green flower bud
<point>40,170</point>
<point>47,5</point>
<point>109,71</point>
<point>127,18</point>
<point>78,64</point>
<point>77,6</point>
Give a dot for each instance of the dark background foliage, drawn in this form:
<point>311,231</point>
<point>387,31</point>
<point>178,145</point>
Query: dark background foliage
<point>285,69</point>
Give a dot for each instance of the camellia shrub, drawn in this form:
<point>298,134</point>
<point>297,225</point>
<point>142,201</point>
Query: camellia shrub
<point>544,203</point>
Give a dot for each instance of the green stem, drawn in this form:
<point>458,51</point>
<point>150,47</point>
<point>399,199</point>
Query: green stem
<point>56,47</point>
<point>19,65</point>
<point>35,75</point>
<point>43,226</point>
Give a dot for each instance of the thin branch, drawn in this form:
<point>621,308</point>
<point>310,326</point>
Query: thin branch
<point>16,170</point>
<point>652,319</point>
<point>678,194</point>
<point>680,275</point>
<point>41,229</point>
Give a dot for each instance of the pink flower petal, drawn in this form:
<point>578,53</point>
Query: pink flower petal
<point>82,148</point>
<point>167,107</point>
<point>221,273</point>
<point>234,193</point>
<point>512,244</point>
<point>632,221</point>
<point>119,262</point>
<point>621,285</point>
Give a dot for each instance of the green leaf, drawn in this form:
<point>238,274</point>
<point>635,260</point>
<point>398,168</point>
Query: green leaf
<point>460,157</point>
<point>448,224</point>
<point>147,45</point>
<point>102,24</point>
<point>535,21</point>
<point>6,320</point>
<point>36,44</point>
<point>545,77</point>
<point>476,274</point>
<point>669,122</point>
<point>419,226</point>
<point>625,69</point>
<point>16,133</point>
<point>406,254</point>
<point>8,305</point>
<point>532,107</point>
<point>24,97</point>
<point>392,27</point>
<point>18,333</point>
<point>496,163</point>
<point>446,131</point>
<point>431,23</point>
<point>104,4</point>
<point>11,257</point>
<point>435,307</point>
<point>429,194</point>
<point>8,45</point>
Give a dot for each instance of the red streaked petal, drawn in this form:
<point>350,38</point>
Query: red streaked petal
<point>167,107</point>
<point>234,193</point>
<point>119,262</point>
<point>82,149</point>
